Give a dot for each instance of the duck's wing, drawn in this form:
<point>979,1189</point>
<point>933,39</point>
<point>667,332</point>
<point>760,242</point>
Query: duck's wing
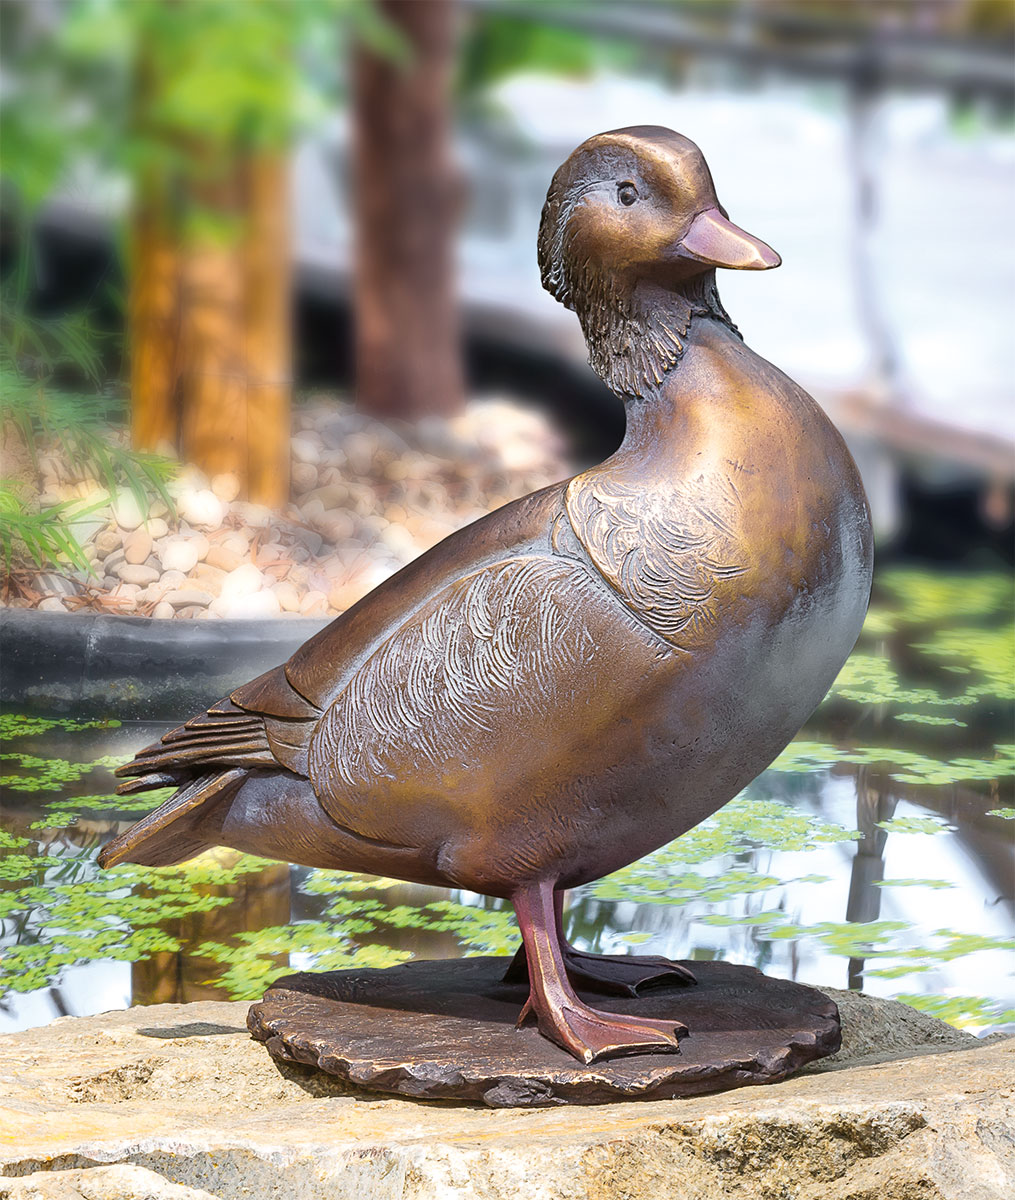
<point>673,556</point>
<point>265,723</point>
<point>268,722</point>
<point>321,668</point>
<point>479,695</point>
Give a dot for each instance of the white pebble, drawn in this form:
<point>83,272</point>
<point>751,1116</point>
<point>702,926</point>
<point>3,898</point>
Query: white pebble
<point>188,597</point>
<point>52,604</point>
<point>236,542</point>
<point>107,542</point>
<point>137,546</point>
<point>401,542</point>
<point>137,573</point>
<point>126,511</point>
<point>257,604</point>
<point>163,611</point>
<point>287,595</point>
<point>243,581</point>
<point>304,450</point>
<point>179,554</point>
<point>304,477</point>
<point>258,516</point>
<point>226,486</point>
<point>202,509</point>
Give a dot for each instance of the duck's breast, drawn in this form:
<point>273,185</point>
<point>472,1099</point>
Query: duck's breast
<point>746,545</point>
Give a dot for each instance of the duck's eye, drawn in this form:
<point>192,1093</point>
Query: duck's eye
<point>627,193</point>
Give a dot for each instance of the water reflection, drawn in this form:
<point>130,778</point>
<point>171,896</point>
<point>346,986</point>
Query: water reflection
<point>874,804</point>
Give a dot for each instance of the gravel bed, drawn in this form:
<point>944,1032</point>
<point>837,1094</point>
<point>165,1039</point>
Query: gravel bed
<point>367,497</point>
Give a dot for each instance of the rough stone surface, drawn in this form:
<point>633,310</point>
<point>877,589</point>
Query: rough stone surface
<point>181,1092</point>
<point>119,1182</point>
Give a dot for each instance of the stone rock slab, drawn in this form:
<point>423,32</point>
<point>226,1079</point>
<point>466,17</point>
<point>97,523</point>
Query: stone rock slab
<point>908,1109</point>
<point>446,1030</point>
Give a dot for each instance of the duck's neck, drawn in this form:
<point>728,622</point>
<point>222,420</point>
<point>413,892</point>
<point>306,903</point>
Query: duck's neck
<point>636,338</point>
<point>669,415</point>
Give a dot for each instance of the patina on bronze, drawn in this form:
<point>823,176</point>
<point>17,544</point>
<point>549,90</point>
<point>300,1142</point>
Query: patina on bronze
<point>590,671</point>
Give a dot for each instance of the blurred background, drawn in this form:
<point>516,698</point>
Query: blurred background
<point>272,325</point>
<point>212,207</point>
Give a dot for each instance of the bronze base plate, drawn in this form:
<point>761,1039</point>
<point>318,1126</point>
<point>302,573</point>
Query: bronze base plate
<point>446,1031</point>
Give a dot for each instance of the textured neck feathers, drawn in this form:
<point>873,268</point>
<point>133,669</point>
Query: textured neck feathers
<point>636,337</point>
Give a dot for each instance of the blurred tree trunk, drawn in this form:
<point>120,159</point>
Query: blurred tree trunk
<point>210,325</point>
<point>268,328</point>
<point>153,299</point>
<point>152,318</point>
<point>408,347</point>
<point>213,367</point>
<point>209,291</point>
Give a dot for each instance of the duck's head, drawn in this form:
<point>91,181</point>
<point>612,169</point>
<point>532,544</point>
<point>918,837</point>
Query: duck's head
<point>630,238</point>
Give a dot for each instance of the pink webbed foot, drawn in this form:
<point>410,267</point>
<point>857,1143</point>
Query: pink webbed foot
<point>585,1032</point>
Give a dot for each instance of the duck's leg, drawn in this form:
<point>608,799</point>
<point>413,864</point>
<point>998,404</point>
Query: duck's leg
<point>585,1032</point>
<point>610,974</point>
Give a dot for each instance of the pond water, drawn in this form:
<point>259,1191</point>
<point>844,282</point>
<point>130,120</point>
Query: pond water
<point>876,852</point>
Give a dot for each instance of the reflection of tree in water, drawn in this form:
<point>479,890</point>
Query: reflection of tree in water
<point>256,901</point>
<point>874,803</point>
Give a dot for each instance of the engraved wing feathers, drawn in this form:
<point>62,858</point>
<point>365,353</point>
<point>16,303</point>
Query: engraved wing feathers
<point>499,645</point>
<point>665,553</point>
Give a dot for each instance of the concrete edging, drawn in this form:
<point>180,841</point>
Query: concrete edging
<point>134,668</point>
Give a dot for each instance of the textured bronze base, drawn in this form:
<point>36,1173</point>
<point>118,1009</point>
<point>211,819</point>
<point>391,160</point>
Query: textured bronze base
<point>446,1031</point>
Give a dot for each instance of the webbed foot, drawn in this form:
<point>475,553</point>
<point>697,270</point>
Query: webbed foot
<point>590,1034</point>
<point>623,974</point>
<point>585,1032</point>
<point>609,974</point>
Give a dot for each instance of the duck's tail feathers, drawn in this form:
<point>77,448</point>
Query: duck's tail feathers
<point>166,836</point>
<point>224,736</point>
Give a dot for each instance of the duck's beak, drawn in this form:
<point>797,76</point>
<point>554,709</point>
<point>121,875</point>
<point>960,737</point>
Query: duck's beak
<point>717,242</point>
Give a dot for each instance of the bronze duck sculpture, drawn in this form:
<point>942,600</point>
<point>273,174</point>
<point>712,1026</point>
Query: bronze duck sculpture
<point>588,672</point>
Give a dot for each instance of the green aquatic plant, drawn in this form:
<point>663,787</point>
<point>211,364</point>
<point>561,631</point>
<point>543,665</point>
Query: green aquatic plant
<point>745,824</point>
<point>251,959</point>
<point>50,774</point>
<point>63,913</point>
<point>961,1011</point>
<point>488,930</point>
<point>905,766</point>
<point>933,884</point>
<point>64,814</point>
<point>13,725</point>
<point>354,916</point>
<point>927,719</point>
<point>913,825</point>
<point>871,679</point>
<point>988,653</point>
<point>925,597</point>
